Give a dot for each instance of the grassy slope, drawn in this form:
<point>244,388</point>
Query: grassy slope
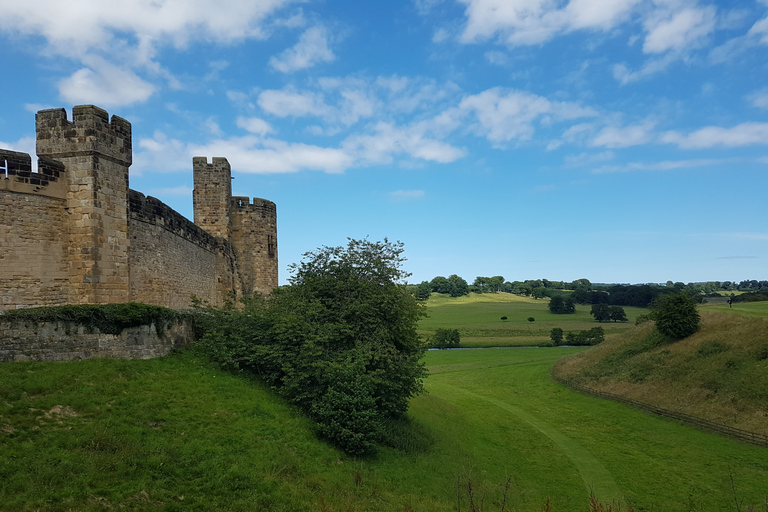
<point>478,319</point>
<point>718,373</point>
<point>174,433</point>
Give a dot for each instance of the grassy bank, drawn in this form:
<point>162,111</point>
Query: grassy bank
<point>177,434</point>
<point>718,373</point>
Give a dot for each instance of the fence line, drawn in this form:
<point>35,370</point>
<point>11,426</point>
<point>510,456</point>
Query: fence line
<point>719,428</point>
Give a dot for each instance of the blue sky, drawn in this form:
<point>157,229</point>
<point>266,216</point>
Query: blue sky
<point>616,140</point>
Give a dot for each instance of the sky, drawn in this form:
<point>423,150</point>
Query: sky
<point>622,141</point>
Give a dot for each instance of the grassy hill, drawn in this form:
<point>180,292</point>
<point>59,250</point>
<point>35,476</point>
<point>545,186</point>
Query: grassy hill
<point>477,316</point>
<point>177,434</point>
<point>719,373</point>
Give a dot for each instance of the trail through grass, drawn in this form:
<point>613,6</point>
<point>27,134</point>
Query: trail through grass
<point>593,472</point>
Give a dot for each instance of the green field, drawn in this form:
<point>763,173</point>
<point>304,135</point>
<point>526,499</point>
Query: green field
<point>177,434</point>
<point>478,319</point>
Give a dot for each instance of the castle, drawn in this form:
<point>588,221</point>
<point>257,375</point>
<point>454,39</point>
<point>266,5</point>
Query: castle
<point>74,233</point>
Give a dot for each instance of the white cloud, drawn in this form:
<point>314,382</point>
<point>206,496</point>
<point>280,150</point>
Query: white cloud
<point>759,98</point>
<point>311,49</point>
<point>503,115</point>
<point>77,26</point>
<point>388,140</point>
<point>115,41</point>
<point>289,103</point>
<point>254,125</point>
<point>745,134</point>
<point>668,165</point>
<point>678,30</point>
<point>622,137</point>
<point>102,83</point>
<point>526,22</point>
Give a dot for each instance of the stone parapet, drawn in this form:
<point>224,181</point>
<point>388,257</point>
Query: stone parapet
<point>22,340</point>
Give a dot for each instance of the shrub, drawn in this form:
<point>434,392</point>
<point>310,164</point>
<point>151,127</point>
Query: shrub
<point>446,338</point>
<point>676,316</point>
<point>556,335</point>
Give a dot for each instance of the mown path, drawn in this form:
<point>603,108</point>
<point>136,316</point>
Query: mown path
<point>593,473</point>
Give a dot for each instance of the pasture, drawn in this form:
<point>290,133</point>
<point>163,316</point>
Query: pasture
<point>478,319</point>
<point>178,434</point>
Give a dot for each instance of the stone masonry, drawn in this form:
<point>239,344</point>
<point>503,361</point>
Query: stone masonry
<point>74,233</point>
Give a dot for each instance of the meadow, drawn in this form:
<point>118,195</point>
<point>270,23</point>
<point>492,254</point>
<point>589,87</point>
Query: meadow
<point>478,319</point>
<point>176,433</point>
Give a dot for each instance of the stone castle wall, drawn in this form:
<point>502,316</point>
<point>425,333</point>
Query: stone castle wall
<point>74,233</point>
<point>65,341</point>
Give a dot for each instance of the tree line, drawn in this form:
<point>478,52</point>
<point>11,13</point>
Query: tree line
<point>582,291</point>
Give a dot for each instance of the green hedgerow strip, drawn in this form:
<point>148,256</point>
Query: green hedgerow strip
<point>107,318</point>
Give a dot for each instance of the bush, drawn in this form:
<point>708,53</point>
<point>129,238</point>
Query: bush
<point>556,335</point>
<point>585,338</point>
<point>676,316</point>
<point>446,338</point>
<point>107,318</point>
<point>340,342</point>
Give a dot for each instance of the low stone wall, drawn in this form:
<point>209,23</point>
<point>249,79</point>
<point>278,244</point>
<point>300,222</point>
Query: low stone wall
<point>22,340</point>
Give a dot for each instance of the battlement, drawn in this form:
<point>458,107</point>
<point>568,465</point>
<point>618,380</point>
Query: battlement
<point>16,175</point>
<point>89,133</point>
<point>259,205</point>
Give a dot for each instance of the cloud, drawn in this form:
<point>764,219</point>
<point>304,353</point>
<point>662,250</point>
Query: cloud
<point>745,134</point>
<point>622,137</point>
<point>759,98</point>
<point>102,83</point>
<point>254,125</point>
<point>406,195</point>
<point>678,30</point>
<point>528,22</point>
<point>667,165</point>
<point>115,41</point>
<point>503,114</point>
<point>311,49</point>
<point>75,27</point>
<point>290,103</point>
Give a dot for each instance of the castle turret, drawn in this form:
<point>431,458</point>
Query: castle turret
<point>254,235</point>
<point>97,154</point>
<point>212,194</point>
<point>251,228</point>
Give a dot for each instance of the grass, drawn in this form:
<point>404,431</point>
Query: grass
<point>478,319</point>
<point>718,373</point>
<point>175,433</point>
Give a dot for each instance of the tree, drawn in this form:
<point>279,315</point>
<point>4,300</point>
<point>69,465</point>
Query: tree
<point>617,314</point>
<point>531,319</point>
<point>457,286</point>
<point>343,337</point>
<point>556,335</point>
<point>601,312</point>
<point>446,338</point>
<point>423,290</point>
<point>562,306</point>
<point>538,292</point>
<point>676,315</point>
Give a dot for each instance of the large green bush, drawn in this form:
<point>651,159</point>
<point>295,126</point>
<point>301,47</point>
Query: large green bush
<point>340,342</point>
<point>676,315</point>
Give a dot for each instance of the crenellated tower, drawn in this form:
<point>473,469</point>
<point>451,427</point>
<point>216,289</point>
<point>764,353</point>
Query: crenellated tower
<point>96,153</point>
<point>250,227</point>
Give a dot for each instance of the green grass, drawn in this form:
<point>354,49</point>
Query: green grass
<point>753,309</point>
<point>718,373</point>
<point>177,434</point>
<point>478,319</point>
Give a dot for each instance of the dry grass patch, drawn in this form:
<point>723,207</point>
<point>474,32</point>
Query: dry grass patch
<point>717,374</point>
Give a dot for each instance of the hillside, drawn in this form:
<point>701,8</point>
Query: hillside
<point>718,373</point>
